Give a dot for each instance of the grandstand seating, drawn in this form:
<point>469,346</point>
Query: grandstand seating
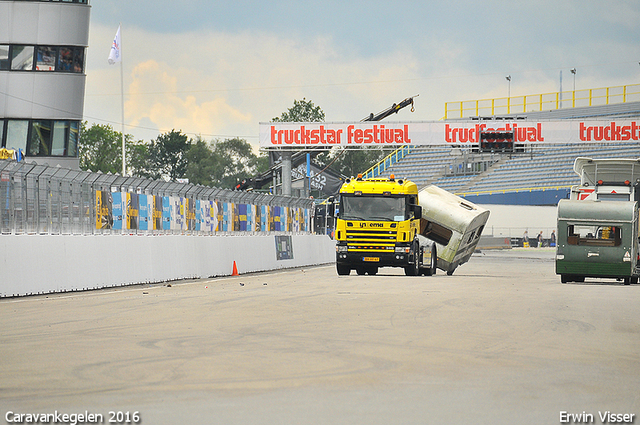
<point>542,167</point>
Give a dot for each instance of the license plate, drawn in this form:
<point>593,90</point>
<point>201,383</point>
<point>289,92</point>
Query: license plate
<point>373,259</point>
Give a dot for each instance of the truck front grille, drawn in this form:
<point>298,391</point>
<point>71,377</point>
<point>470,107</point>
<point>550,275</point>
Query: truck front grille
<point>371,240</point>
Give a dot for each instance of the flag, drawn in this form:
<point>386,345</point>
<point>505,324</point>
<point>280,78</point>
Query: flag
<point>114,55</point>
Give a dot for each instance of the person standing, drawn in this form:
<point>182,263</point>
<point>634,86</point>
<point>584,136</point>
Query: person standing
<point>540,240</point>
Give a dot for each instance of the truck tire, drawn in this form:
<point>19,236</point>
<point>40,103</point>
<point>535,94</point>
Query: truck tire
<point>431,270</point>
<point>343,270</point>
<point>414,268</point>
<point>361,271</point>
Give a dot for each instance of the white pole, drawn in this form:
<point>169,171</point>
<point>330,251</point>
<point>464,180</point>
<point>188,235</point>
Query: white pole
<point>124,163</point>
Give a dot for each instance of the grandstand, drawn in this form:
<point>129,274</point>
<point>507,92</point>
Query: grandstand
<point>540,175</point>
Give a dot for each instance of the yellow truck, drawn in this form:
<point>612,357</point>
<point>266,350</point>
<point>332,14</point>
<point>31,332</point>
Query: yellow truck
<point>387,222</point>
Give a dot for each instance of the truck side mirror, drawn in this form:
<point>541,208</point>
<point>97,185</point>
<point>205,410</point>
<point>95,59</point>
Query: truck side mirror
<point>417,211</point>
<point>332,207</point>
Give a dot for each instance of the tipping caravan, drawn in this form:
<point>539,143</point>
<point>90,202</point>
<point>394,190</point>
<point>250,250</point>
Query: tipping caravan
<point>598,225</point>
<point>454,223</point>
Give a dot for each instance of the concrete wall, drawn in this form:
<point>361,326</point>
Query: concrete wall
<point>491,242</point>
<point>37,264</point>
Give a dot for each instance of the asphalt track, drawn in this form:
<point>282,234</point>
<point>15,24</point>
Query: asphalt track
<point>502,341</point>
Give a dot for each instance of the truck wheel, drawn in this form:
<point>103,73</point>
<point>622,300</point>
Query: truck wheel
<point>627,280</point>
<point>413,269</point>
<point>564,278</point>
<point>360,271</point>
<point>372,271</point>
<point>343,270</point>
<point>431,270</point>
<point>634,280</point>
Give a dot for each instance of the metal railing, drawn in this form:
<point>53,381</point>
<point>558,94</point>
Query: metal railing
<point>379,168</point>
<point>542,102</point>
<point>513,190</point>
<point>39,199</point>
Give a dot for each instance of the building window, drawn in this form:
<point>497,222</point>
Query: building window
<point>60,134</point>
<point>41,137</point>
<point>74,131</point>
<point>46,58</point>
<point>22,58</point>
<point>4,56</point>
<point>17,131</point>
<point>71,59</point>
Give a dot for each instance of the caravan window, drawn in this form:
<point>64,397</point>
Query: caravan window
<point>594,235</point>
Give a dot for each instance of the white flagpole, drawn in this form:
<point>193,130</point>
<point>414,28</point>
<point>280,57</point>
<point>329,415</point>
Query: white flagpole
<point>115,55</point>
<point>124,158</point>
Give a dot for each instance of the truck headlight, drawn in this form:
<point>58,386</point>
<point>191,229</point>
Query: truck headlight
<point>403,249</point>
<point>342,248</point>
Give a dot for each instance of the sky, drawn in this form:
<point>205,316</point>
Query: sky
<point>216,69</point>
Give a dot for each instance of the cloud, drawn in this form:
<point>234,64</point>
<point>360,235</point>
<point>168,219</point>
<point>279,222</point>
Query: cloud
<point>154,95</point>
<point>223,85</point>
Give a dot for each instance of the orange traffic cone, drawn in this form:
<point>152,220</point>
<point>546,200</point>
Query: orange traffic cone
<point>235,270</point>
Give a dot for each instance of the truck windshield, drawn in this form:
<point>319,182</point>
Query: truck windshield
<point>373,208</point>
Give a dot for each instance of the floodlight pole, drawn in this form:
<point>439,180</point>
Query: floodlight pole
<point>508,77</point>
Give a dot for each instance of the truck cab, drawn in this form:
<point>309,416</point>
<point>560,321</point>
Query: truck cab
<point>378,226</point>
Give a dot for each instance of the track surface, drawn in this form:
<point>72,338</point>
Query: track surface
<point>502,341</point>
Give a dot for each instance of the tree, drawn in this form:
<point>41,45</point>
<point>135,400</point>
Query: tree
<point>236,159</point>
<point>354,161</point>
<point>301,111</point>
<point>168,155</point>
<point>201,163</point>
<point>138,159</point>
<point>100,149</point>
<point>222,163</point>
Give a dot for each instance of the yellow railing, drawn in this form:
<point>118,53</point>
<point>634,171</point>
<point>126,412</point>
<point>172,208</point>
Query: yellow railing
<point>378,169</point>
<point>510,190</point>
<point>542,102</point>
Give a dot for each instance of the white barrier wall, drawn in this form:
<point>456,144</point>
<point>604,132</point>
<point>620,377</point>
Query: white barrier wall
<point>36,264</point>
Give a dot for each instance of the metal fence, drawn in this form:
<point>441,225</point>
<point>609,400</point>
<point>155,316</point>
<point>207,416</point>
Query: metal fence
<point>40,199</point>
